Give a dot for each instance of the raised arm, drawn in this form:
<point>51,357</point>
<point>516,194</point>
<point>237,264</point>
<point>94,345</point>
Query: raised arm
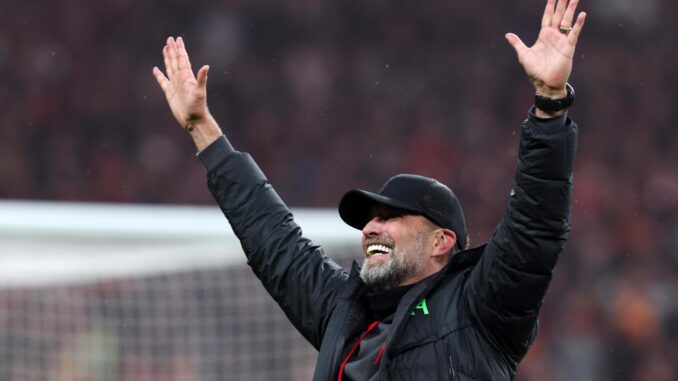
<point>296,273</point>
<point>506,289</point>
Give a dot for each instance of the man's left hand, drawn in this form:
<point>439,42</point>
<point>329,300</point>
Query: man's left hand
<point>548,62</point>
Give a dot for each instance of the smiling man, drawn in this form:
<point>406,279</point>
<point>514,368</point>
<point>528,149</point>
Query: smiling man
<point>423,306</point>
<point>409,229</point>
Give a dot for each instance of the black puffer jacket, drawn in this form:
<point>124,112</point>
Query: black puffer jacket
<point>481,314</point>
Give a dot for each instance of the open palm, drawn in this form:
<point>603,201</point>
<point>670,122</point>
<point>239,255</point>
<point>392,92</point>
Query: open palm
<point>185,92</point>
<point>549,61</point>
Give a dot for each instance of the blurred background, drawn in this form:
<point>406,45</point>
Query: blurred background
<point>331,95</point>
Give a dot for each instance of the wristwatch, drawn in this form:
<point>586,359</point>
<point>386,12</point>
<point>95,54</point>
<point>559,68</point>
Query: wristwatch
<point>552,105</point>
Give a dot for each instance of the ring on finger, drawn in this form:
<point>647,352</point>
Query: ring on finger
<point>564,29</point>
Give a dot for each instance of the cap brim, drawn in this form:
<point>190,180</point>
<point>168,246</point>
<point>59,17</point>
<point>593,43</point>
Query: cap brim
<point>355,207</point>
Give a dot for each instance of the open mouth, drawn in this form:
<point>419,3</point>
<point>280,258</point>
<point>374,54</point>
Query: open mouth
<point>378,249</point>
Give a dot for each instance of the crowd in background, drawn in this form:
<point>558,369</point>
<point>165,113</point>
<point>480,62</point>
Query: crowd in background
<point>331,95</point>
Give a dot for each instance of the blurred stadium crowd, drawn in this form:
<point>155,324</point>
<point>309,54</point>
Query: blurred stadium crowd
<point>330,95</point>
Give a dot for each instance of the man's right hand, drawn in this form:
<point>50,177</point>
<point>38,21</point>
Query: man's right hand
<point>187,93</point>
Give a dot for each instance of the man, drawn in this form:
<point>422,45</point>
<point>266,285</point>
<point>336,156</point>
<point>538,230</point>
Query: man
<point>423,306</point>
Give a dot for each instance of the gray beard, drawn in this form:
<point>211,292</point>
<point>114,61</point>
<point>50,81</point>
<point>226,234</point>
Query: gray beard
<point>403,264</point>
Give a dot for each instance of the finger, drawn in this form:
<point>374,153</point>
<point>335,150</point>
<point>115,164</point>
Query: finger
<point>569,14</point>
<point>173,55</point>
<point>202,76</point>
<point>548,13</point>
<point>517,44</point>
<point>182,55</point>
<point>558,15</point>
<point>160,77</point>
<point>573,36</point>
<point>168,66</point>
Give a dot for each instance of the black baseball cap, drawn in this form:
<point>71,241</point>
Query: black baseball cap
<point>413,193</point>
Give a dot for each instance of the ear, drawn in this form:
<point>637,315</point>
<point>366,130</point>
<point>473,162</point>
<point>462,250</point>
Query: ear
<point>443,242</point>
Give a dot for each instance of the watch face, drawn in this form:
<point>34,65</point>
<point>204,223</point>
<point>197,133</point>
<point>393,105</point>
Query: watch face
<point>570,91</point>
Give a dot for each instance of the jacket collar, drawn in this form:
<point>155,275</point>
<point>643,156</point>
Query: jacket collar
<point>355,269</point>
<point>464,259</point>
<point>460,261</point>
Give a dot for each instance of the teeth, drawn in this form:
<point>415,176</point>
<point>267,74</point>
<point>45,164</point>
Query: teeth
<point>378,250</point>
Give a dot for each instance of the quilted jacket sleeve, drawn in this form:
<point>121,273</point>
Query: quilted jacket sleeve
<point>296,273</point>
<point>506,289</point>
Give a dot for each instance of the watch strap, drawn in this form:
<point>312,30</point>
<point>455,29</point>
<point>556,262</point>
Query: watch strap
<point>552,105</point>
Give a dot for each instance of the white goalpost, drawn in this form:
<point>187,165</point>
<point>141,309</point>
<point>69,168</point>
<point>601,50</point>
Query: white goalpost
<point>138,292</point>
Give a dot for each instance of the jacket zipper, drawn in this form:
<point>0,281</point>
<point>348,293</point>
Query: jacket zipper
<point>450,364</point>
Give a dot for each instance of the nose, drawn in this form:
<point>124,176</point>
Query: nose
<point>373,227</point>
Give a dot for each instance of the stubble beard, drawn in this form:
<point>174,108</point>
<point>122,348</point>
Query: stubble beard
<point>403,263</point>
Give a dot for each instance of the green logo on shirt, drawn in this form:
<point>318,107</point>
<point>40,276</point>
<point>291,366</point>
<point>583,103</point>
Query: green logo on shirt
<point>421,306</point>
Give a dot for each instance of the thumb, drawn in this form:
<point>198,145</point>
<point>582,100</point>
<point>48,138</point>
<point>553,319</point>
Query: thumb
<point>517,44</point>
<point>202,76</point>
